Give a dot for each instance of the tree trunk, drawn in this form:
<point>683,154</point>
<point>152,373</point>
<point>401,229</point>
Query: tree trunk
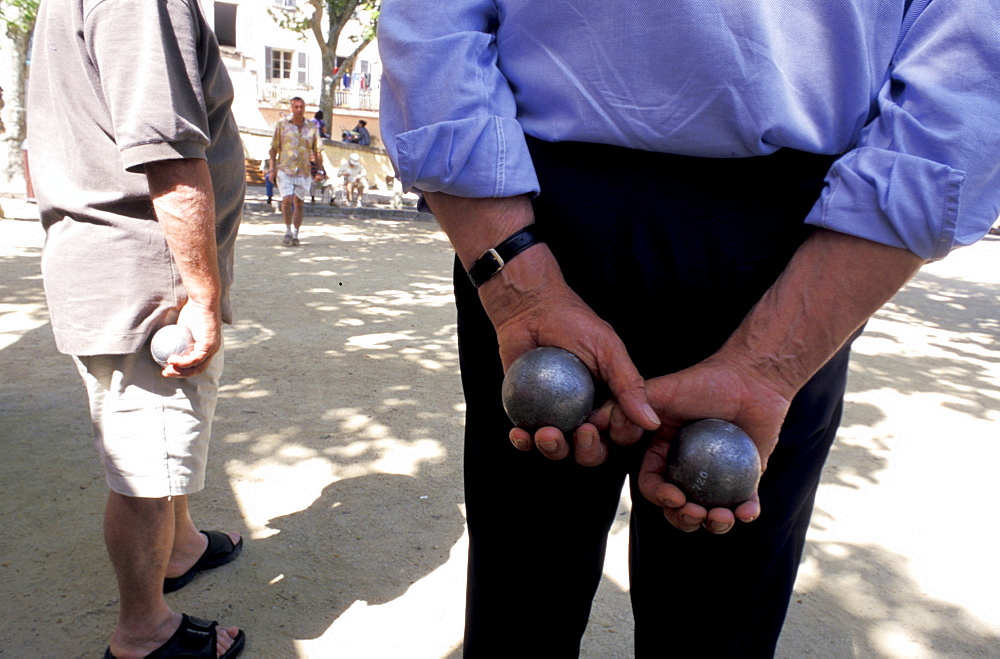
<point>14,99</point>
<point>329,84</point>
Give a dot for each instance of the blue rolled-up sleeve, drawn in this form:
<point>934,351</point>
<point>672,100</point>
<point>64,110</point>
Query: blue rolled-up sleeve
<point>448,116</point>
<point>926,173</point>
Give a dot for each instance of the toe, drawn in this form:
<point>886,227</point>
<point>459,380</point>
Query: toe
<point>224,639</point>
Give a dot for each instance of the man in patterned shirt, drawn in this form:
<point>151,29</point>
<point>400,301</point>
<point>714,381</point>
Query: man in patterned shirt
<point>295,144</point>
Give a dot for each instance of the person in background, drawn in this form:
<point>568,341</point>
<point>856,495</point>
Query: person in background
<point>265,168</point>
<point>29,189</point>
<point>319,180</point>
<point>320,124</point>
<point>294,147</point>
<point>355,179</point>
<point>364,138</point>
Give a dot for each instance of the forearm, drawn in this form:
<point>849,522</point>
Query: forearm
<point>476,225</point>
<point>833,284</point>
<point>184,204</point>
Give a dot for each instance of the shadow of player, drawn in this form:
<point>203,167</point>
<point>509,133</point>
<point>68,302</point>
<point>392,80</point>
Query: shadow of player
<point>368,538</point>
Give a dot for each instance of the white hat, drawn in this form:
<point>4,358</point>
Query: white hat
<point>355,157</point>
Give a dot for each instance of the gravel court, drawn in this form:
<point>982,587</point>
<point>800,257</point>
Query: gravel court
<point>337,451</point>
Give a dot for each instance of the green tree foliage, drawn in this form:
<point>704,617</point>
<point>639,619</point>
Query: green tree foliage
<point>326,22</point>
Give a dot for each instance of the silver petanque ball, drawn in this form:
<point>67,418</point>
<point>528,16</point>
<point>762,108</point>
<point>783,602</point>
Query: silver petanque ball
<point>714,463</point>
<point>548,387</point>
<point>170,340</point>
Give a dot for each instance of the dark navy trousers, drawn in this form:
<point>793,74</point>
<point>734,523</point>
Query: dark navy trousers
<point>699,240</point>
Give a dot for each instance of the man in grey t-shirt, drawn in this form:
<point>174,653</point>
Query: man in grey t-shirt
<point>139,174</point>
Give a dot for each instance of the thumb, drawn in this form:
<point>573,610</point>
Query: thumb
<point>629,389</point>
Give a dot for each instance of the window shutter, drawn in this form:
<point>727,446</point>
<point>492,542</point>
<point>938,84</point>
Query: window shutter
<point>303,68</point>
<point>267,64</point>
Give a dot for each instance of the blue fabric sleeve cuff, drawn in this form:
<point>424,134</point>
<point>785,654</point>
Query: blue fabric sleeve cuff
<point>894,199</point>
<point>484,156</point>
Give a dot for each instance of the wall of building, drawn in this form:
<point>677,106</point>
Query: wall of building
<point>256,34</point>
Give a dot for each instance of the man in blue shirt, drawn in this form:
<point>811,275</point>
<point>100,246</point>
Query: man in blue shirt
<point>800,162</point>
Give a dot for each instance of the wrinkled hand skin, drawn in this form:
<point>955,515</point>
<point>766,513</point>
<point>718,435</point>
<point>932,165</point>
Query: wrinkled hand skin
<point>206,328</point>
<point>558,317</point>
<point>710,389</point>
<point>530,306</point>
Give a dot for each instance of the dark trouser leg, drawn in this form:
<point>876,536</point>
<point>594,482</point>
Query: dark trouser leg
<point>538,528</point>
<point>674,266</point>
<point>729,593</point>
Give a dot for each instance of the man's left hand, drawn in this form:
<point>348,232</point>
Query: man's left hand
<point>709,390</point>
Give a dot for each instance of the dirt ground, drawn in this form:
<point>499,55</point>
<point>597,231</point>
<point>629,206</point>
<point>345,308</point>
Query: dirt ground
<point>337,452</point>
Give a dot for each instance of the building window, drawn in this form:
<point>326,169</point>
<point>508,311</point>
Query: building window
<point>225,23</point>
<point>286,66</point>
<point>281,64</point>
<point>285,4</point>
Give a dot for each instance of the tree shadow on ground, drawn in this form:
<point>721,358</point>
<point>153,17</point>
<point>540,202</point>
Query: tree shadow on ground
<point>341,394</point>
<point>860,599</point>
<point>342,409</point>
<point>865,604</point>
<point>335,373</point>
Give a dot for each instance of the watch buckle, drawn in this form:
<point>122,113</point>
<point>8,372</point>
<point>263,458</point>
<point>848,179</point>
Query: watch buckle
<point>496,257</point>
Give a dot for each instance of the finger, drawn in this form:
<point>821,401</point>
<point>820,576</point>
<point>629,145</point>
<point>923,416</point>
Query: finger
<point>687,518</point>
<point>188,364</point>
<point>601,417</point>
<point>629,389</point>
<point>622,431</point>
<point>750,510</point>
<point>551,443</point>
<point>191,358</point>
<point>588,448</point>
<point>521,439</point>
<point>719,521</point>
<point>652,485</point>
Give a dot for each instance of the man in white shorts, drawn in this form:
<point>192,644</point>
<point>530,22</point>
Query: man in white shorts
<point>140,186</point>
<point>295,144</point>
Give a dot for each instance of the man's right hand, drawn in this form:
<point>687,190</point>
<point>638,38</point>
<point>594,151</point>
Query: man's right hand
<point>531,305</point>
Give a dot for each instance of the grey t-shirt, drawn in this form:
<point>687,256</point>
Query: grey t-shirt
<point>114,85</point>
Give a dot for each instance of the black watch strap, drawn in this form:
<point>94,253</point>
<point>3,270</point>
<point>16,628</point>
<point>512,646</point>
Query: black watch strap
<point>493,260</point>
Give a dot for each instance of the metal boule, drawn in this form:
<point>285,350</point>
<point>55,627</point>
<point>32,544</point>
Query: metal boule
<point>548,387</point>
<point>170,340</point>
<point>715,464</point>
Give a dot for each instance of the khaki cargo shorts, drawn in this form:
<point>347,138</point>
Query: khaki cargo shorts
<point>151,432</point>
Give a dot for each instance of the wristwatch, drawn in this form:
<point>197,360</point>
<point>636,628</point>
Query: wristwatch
<point>493,260</point>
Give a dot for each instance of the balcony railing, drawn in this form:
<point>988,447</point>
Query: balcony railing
<point>356,99</point>
<point>347,99</point>
<point>276,94</point>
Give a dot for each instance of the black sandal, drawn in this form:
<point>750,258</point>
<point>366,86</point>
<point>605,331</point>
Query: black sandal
<point>220,551</point>
<point>194,638</point>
